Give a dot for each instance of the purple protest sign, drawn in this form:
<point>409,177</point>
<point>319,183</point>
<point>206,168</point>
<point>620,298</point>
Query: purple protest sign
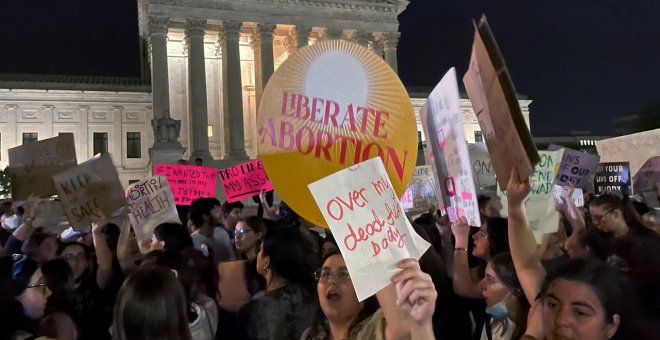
<point>576,167</point>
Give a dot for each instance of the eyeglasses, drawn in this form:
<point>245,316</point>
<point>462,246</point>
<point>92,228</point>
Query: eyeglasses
<point>40,284</point>
<point>75,257</point>
<point>323,275</point>
<point>598,219</point>
<point>242,232</point>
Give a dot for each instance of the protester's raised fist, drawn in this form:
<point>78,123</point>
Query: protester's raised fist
<point>567,191</point>
<point>31,206</point>
<point>415,291</point>
<point>517,189</point>
<point>269,212</point>
<point>461,231</point>
<point>98,219</point>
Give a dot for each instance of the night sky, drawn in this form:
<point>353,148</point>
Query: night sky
<point>582,62</point>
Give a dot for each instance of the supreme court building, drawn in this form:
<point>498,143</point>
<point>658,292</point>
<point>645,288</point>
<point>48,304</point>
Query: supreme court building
<point>205,64</point>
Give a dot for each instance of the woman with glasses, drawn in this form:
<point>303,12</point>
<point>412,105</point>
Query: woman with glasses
<point>248,235</point>
<point>406,308</point>
<point>617,217</point>
<point>23,297</point>
<point>89,283</point>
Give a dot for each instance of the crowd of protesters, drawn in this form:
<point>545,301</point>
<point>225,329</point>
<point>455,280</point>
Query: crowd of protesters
<point>222,275</point>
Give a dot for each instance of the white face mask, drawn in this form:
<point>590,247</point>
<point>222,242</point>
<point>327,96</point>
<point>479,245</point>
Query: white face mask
<point>11,222</point>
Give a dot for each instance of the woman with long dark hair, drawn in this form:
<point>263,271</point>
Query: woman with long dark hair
<point>505,301</point>
<point>151,304</point>
<point>287,307</point>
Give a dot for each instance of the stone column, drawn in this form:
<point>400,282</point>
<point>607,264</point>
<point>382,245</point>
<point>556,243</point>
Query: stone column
<point>232,81</point>
<point>166,147</point>
<point>262,43</point>
<point>363,38</point>
<point>197,88</point>
<point>390,42</point>
<point>158,27</point>
<point>377,45</point>
<point>333,33</point>
<point>302,35</point>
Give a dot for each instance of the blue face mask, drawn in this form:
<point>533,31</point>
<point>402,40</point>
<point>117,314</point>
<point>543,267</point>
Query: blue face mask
<point>499,311</point>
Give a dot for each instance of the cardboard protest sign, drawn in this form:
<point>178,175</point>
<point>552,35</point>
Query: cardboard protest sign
<point>651,198</point>
<point>545,172</point>
<point>635,148</point>
<point>150,203</point>
<point>87,187</point>
<point>612,177</point>
<point>576,167</point>
<point>495,103</point>
<point>327,107</point>
<point>542,216</point>
<point>483,172</point>
<point>32,165</point>
<point>420,195</point>
<point>443,127</point>
<point>648,176</point>
<point>188,182</point>
<point>244,180</point>
<point>367,220</point>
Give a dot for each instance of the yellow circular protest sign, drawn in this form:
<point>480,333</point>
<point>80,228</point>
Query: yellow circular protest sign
<point>327,107</point>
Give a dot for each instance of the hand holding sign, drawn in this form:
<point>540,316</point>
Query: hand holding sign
<point>98,220</point>
<point>567,192</point>
<point>517,189</point>
<point>269,212</point>
<point>461,231</point>
<point>31,207</point>
<point>415,291</point>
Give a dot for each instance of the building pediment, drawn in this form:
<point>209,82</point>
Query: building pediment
<point>371,15</point>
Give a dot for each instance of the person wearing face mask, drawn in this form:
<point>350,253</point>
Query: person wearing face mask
<point>10,219</point>
<point>505,302</point>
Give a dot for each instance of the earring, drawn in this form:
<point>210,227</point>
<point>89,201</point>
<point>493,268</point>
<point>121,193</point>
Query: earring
<point>266,269</point>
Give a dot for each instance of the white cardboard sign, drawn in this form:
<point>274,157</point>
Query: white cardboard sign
<point>443,126</point>
<point>151,203</point>
<point>365,216</point>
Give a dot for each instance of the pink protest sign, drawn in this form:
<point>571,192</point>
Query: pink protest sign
<point>244,180</point>
<point>188,182</point>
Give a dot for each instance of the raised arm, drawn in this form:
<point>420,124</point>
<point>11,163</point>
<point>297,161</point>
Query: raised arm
<point>31,211</point>
<point>103,253</point>
<point>571,212</point>
<point>269,212</point>
<point>463,283</point>
<point>126,246</point>
<point>23,232</point>
<point>447,245</point>
<point>522,244</point>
